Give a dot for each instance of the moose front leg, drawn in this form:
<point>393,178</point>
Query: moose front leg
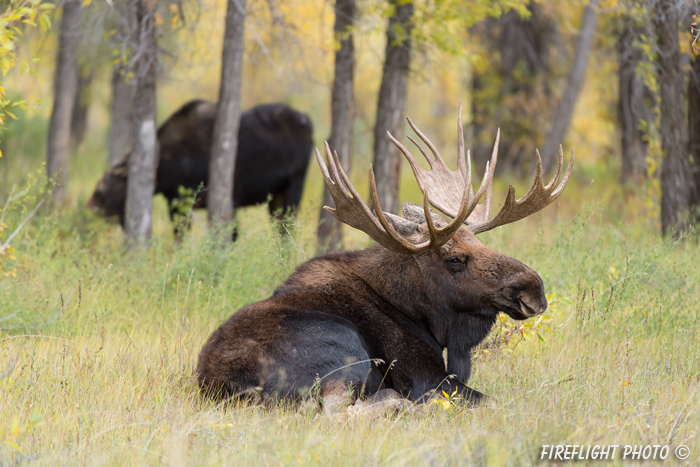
<point>467,332</point>
<point>459,363</point>
<point>182,222</point>
<point>278,212</point>
<point>426,377</point>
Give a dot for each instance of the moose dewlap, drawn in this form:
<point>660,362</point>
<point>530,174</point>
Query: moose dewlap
<point>379,318</point>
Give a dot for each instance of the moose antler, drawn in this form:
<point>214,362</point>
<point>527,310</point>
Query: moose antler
<point>444,185</point>
<point>537,198</point>
<point>449,191</point>
<point>352,210</point>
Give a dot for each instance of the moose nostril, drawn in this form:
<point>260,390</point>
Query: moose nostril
<point>531,307</point>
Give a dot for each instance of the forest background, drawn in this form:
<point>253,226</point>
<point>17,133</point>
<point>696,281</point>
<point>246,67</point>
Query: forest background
<point>99,344</point>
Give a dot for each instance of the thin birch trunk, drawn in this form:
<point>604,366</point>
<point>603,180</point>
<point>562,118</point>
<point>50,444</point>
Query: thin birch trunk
<point>390,105</point>
<point>65,89</point>
<point>143,161</point>
<point>228,116</point>
<point>121,111</point>
<point>330,236</point>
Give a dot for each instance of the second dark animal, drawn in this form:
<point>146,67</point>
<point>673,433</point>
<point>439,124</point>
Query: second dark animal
<point>274,147</point>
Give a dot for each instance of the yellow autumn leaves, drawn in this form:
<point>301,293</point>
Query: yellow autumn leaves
<point>33,13</point>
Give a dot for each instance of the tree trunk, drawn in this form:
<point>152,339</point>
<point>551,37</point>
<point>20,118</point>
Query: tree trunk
<point>694,135</point>
<point>123,89</point>
<point>143,162</point>
<point>78,123</point>
<point>65,88</point>
<point>330,236</point>
<point>511,86</point>
<point>675,168</point>
<point>228,116</point>
<point>390,105</point>
<point>577,75</point>
<point>632,108</point>
<point>121,111</point>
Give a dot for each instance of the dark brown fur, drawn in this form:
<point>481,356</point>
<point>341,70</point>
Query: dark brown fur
<point>339,310</point>
<point>274,146</point>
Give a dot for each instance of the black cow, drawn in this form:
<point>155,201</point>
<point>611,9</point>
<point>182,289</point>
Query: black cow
<point>274,146</point>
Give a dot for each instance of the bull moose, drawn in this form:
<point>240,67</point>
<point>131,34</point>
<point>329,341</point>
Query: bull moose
<point>362,322</point>
<point>274,147</point>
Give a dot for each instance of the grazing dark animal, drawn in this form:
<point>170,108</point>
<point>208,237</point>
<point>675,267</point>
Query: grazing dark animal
<point>379,318</point>
<point>274,147</point>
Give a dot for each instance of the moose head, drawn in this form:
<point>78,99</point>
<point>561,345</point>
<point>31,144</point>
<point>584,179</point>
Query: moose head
<point>109,197</point>
<point>478,277</point>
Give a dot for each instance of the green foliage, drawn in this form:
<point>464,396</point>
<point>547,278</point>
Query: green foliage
<point>29,12</point>
<point>507,334</point>
<point>182,207</point>
<point>442,24</point>
<point>23,146</point>
<point>31,198</point>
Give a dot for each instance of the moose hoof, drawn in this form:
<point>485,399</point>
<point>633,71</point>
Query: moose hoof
<point>385,401</point>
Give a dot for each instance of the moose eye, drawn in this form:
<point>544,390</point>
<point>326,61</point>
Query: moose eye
<point>455,264</point>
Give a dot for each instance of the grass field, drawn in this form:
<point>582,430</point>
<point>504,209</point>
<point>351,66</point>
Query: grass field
<point>98,345</point>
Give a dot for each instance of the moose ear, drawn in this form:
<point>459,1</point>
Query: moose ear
<point>405,227</point>
<point>416,213</point>
<point>120,170</point>
<point>121,167</point>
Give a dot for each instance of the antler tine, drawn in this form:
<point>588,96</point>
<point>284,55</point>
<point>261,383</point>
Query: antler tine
<point>351,209</point>
<point>385,222</point>
<point>468,203</point>
<point>488,196</point>
<point>482,212</point>
<point>422,151</point>
<point>339,195</point>
<point>335,189</point>
<point>333,161</point>
<point>324,169</point>
<point>536,199</point>
<point>557,171</point>
<point>433,231</point>
<point>425,139</point>
<point>445,186</point>
<point>567,174</point>
<point>469,172</point>
<point>537,182</point>
<point>460,154</point>
<point>460,146</point>
<point>418,171</point>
